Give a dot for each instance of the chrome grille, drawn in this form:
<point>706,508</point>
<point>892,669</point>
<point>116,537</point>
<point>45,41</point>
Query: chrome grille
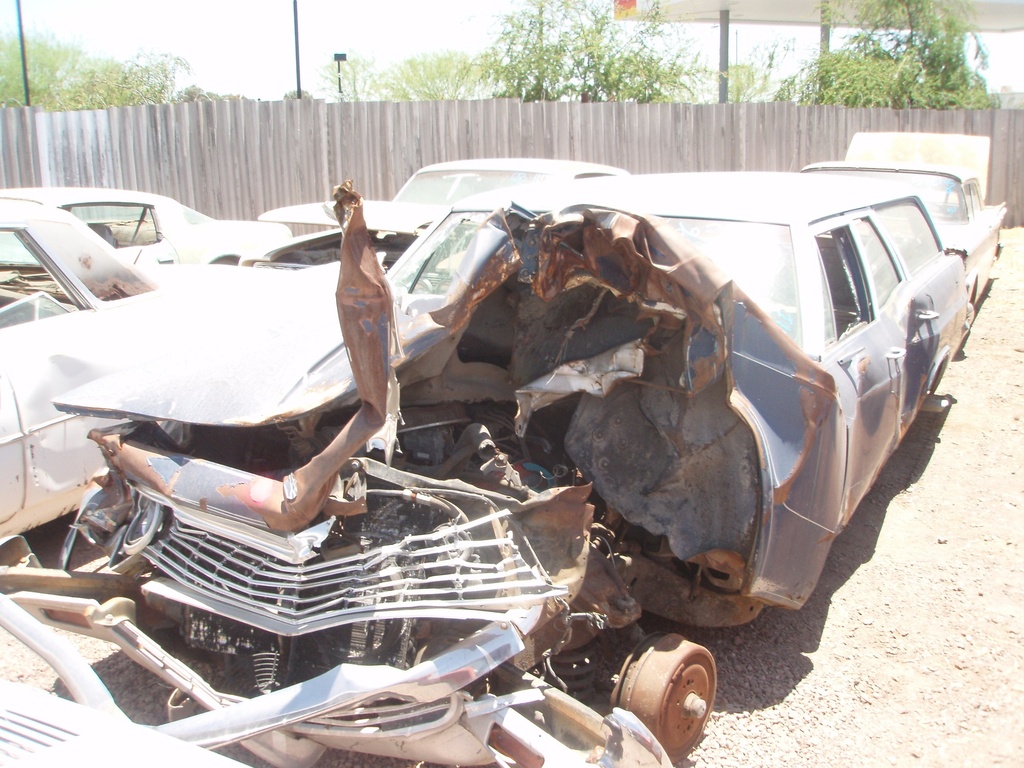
<point>470,566</point>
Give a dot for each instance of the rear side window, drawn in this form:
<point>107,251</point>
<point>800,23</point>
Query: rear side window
<point>195,218</point>
<point>911,233</point>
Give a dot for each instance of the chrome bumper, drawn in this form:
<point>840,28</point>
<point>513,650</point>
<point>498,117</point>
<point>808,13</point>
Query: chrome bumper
<point>290,726</point>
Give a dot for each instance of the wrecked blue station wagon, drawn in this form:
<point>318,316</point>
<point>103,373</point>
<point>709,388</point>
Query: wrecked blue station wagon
<point>422,528</point>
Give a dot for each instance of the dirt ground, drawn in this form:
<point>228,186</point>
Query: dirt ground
<point>911,649</point>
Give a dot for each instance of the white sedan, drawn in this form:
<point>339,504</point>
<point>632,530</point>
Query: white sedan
<point>159,229</point>
<point>71,311</point>
<point>427,196</point>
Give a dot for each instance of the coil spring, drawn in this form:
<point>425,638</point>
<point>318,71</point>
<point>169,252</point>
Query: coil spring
<point>574,671</point>
<point>264,670</point>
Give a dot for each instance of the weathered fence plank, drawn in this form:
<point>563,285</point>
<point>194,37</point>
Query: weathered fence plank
<point>235,159</point>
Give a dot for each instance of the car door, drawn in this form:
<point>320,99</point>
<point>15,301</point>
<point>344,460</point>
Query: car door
<point>30,297</point>
<point>937,300</point>
<point>867,347</point>
<point>58,288</point>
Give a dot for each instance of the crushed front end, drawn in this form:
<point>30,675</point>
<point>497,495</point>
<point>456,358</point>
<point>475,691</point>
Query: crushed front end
<point>429,564</point>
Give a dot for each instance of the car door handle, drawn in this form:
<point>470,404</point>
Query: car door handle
<point>895,353</point>
<point>927,314</point>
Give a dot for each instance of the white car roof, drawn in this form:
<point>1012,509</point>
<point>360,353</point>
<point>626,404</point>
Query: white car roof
<point>566,168</point>
<point>56,196</point>
<point>18,213</point>
<point>779,198</point>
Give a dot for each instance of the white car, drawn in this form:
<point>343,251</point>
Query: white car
<point>161,229</point>
<point>953,193</point>
<point>425,197</point>
<point>71,311</point>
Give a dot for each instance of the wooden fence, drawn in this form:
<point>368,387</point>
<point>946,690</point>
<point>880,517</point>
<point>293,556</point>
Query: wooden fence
<point>236,159</point>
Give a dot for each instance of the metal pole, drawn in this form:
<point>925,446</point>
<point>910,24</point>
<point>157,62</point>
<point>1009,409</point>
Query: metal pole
<point>723,57</point>
<point>24,60</point>
<point>338,58</point>
<point>298,79</point>
<point>826,26</point>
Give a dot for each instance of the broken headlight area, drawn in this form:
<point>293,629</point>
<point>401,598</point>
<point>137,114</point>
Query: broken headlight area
<point>401,571</point>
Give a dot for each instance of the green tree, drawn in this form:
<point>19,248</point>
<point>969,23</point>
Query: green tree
<point>434,77</point>
<point>755,78</point>
<point>51,65</point>
<point>549,50</point>
<point>148,78</point>
<point>195,93</point>
<point>906,53</point>
<point>360,79</point>
<point>63,77</point>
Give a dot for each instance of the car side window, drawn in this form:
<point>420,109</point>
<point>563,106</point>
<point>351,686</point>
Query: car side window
<point>974,193</point>
<point>28,292</point>
<point>912,234</point>
<point>844,281</point>
<point>121,225</point>
<point>884,276</point>
<point>972,209</point>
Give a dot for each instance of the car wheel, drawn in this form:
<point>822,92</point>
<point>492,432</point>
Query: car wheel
<point>230,261</point>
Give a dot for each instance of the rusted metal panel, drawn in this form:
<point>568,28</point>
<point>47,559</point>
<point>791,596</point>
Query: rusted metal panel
<point>365,311</point>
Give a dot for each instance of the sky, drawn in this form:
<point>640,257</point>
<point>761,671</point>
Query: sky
<point>248,48</point>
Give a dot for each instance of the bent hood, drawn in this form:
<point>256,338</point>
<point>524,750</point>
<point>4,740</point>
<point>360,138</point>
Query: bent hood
<point>268,355</point>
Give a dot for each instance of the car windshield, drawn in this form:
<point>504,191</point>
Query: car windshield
<point>759,257</point>
<point>440,187</point>
<point>97,269</point>
<point>943,196</point>
<point>28,289</point>
<point>430,268</point>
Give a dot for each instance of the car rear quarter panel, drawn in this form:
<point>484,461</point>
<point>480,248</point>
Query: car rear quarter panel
<point>792,407</point>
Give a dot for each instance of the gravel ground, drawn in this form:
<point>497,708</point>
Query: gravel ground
<point>910,650</point>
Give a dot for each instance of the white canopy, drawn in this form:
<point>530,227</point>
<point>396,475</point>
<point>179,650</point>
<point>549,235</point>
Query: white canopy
<point>989,15</point>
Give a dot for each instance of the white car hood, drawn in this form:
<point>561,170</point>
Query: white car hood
<point>271,350</point>
<point>380,215</point>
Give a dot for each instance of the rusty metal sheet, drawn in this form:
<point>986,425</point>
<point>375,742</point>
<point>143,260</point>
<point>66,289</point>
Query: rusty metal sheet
<point>366,313</point>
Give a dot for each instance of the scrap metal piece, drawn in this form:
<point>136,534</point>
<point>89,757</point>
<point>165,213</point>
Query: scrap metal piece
<point>365,311</point>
